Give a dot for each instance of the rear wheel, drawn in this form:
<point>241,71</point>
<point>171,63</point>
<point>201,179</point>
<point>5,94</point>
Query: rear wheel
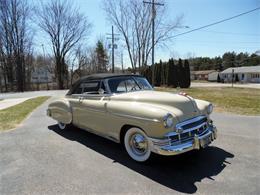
<point>63,126</point>
<point>137,144</point>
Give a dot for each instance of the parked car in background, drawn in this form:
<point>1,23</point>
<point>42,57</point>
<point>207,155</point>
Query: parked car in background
<point>126,109</point>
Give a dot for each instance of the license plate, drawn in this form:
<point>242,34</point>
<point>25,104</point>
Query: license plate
<point>205,142</point>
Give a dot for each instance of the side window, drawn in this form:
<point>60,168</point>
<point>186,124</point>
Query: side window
<point>143,83</point>
<point>127,85</point>
<point>90,87</point>
<point>121,87</point>
<point>131,85</point>
<point>78,90</point>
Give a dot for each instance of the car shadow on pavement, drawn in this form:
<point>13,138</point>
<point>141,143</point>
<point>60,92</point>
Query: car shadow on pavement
<point>179,173</point>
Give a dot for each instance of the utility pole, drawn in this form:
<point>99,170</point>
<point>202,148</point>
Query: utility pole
<point>122,62</point>
<point>113,53</point>
<point>232,77</point>
<point>153,34</point>
<point>113,47</point>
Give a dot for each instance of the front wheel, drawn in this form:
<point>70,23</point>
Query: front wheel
<point>137,144</point>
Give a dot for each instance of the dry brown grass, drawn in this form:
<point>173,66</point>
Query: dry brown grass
<point>13,116</point>
<point>226,99</point>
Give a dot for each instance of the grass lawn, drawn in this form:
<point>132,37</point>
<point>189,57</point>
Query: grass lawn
<point>234,100</point>
<point>13,116</point>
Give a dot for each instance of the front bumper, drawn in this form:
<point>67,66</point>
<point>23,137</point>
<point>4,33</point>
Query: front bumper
<point>166,148</point>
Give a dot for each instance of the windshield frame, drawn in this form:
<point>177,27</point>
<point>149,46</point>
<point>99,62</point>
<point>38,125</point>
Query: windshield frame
<point>106,82</point>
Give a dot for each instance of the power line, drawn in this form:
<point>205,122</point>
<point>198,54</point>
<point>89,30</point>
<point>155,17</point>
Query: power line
<point>218,22</point>
<point>231,33</point>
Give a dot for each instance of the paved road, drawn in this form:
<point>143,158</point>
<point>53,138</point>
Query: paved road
<point>11,99</point>
<point>209,84</point>
<point>11,102</point>
<point>30,94</point>
<point>38,158</point>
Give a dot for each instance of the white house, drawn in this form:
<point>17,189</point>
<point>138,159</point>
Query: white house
<point>41,75</point>
<point>245,74</point>
<point>213,76</point>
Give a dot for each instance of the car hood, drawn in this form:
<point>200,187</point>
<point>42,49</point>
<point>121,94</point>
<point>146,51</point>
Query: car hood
<point>183,107</point>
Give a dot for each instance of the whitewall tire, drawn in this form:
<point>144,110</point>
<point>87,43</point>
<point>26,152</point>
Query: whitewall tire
<point>137,144</point>
<point>62,126</point>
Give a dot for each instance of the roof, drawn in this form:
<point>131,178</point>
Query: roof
<point>99,76</point>
<point>104,76</point>
<point>243,69</point>
<point>203,72</point>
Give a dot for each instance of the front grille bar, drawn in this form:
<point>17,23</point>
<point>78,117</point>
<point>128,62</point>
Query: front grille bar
<point>188,134</point>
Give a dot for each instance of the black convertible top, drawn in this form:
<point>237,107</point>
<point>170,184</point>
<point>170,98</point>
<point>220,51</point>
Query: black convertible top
<point>98,76</point>
<point>104,76</point>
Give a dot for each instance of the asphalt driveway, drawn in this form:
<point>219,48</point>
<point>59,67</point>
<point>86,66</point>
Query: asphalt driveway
<point>38,158</point>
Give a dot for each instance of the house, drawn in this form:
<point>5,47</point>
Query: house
<point>41,75</point>
<point>201,74</point>
<point>244,74</point>
<point>213,76</point>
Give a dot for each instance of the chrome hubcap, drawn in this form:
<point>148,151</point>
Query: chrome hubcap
<point>61,125</point>
<point>138,144</point>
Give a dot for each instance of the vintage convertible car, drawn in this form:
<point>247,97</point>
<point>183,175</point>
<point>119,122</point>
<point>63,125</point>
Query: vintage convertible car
<point>126,109</point>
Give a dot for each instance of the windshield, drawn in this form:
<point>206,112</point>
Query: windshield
<point>128,84</point>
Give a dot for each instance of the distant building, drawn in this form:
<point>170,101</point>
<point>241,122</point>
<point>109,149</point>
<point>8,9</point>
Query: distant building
<point>201,74</point>
<point>245,74</point>
<point>41,75</point>
<point>213,76</point>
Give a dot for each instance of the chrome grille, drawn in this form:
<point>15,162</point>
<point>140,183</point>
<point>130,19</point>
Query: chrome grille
<point>190,128</point>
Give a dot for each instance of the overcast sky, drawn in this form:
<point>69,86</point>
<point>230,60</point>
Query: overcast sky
<point>241,34</point>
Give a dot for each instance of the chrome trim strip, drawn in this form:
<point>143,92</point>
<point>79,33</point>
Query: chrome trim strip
<point>190,121</point>
<point>172,133</point>
<point>135,117</point>
<point>193,128</point>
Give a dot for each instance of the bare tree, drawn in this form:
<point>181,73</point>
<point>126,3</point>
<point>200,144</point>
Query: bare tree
<point>77,63</point>
<point>66,27</point>
<point>16,39</point>
<point>133,19</point>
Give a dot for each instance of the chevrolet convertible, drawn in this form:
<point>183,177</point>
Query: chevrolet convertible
<point>126,109</point>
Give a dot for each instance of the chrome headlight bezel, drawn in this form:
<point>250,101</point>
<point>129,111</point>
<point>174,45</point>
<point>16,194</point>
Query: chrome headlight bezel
<point>210,109</point>
<point>168,120</point>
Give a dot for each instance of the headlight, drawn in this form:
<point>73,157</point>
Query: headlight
<point>210,109</point>
<point>168,120</point>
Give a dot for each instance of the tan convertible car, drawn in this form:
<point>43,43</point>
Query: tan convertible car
<point>126,109</point>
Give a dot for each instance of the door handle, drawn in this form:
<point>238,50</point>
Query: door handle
<point>80,99</point>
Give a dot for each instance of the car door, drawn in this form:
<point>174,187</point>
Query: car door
<point>91,110</point>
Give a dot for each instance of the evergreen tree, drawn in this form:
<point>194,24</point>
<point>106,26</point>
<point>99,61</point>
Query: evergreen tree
<point>186,74</point>
<point>172,74</point>
<point>218,80</point>
<point>163,73</point>
<point>157,78</point>
<point>102,57</point>
<point>181,74</point>
<point>175,75</point>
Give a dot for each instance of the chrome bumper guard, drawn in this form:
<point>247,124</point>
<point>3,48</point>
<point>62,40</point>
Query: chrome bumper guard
<point>164,147</point>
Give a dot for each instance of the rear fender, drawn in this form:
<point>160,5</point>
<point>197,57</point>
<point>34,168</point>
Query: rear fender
<point>60,110</point>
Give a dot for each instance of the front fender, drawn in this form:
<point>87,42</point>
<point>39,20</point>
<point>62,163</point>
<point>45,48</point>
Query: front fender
<point>145,116</point>
<point>202,106</point>
<point>60,110</point>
